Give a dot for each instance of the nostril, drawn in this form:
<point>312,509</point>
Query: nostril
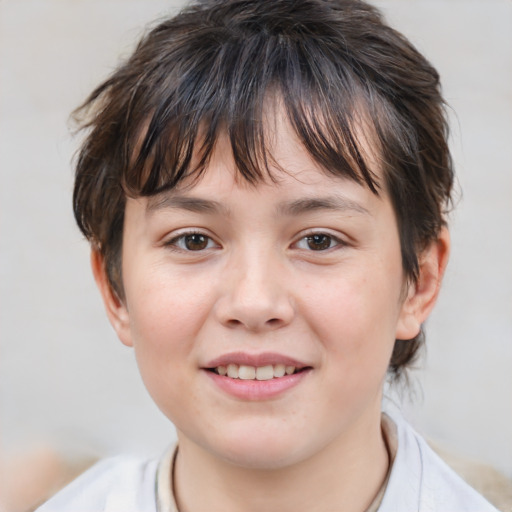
<point>272,323</point>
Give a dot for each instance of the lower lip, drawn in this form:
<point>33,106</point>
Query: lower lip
<point>257,390</point>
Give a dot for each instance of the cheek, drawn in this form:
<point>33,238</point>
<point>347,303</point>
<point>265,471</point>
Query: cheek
<point>166,314</point>
<point>166,311</point>
<point>355,317</point>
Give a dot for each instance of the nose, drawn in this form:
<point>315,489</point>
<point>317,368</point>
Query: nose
<point>254,295</point>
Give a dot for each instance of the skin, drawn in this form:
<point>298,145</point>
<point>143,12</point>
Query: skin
<point>259,284</point>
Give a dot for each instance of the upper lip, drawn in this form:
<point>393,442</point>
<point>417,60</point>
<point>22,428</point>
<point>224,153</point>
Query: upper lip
<point>262,359</point>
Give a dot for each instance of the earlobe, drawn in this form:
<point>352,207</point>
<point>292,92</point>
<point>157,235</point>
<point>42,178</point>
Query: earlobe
<point>422,294</point>
<point>115,308</point>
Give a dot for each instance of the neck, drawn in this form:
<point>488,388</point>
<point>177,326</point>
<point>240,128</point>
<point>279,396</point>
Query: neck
<point>346,474</point>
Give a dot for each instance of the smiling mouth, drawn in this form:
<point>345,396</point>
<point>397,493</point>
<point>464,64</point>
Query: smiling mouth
<point>245,372</point>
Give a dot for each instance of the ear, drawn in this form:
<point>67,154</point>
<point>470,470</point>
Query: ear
<point>116,310</point>
<point>422,295</point>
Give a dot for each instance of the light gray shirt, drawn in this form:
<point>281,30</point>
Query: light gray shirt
<point>419,481</point>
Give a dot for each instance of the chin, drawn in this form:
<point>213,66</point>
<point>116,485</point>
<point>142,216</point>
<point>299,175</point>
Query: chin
<point>260,449</point>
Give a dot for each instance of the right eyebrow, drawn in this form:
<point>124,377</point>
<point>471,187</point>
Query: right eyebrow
<point>191,204</point>
<point>309,204</point>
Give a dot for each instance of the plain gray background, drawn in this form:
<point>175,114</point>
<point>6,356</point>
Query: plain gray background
<point>65,378</point>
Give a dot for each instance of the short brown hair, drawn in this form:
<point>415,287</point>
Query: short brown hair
<point>212,66</point>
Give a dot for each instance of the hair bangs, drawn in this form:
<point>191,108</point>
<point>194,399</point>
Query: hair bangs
<point>229,87</point>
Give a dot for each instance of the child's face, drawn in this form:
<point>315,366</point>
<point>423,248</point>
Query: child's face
<point>305,272</point>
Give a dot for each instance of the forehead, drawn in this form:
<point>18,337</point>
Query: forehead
<point>279,140</point>
<point>289,195</point>
<point>279,154</point>
<point>295,182</point>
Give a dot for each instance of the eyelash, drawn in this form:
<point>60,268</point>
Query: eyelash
<point>178,243</point>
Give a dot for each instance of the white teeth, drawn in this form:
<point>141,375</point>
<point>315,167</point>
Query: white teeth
<point>245,372</point>
<point>289,370</point>
<point>265,372</point>
<point>279,370</point>
<point>233,371</point>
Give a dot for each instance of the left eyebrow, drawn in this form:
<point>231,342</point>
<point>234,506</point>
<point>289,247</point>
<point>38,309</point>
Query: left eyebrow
<point>337,203</point>
<point>192,204</point>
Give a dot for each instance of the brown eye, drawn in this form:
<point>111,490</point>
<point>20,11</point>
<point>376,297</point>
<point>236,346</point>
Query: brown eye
<point>319,242</point>
<point>191,242</point>
<point>195,242</point>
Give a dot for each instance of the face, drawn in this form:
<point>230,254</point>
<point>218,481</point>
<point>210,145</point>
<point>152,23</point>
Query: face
<point>294,288</point>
